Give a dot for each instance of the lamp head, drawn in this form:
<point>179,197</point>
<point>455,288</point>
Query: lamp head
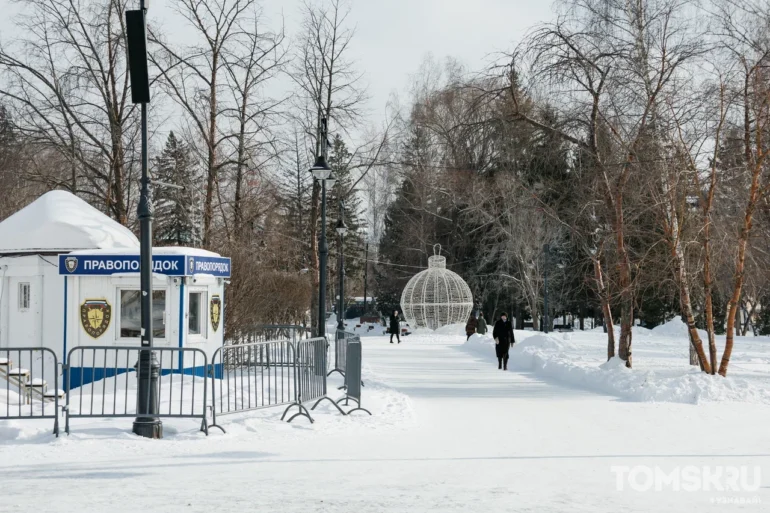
<point>320,169</point>
<point>341,228</point>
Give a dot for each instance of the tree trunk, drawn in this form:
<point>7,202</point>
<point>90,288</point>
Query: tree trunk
<point>626,292</point>
<point>707,286</point>
<point>211,164</point>
<point>734,303</point>
<point>582,318</point>
<point>606,310</point>
<point>671,228</point>
<point>535,320</point>
<point>697,354</point>
<point>241,166</point>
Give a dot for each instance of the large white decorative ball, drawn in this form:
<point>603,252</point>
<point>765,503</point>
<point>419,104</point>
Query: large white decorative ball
<point>436,297</point>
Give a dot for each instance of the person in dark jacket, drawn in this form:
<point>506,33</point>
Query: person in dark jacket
<point>503,335</point>
<point>470,327</point>
<point>395,327</point>
<point>481,325</point>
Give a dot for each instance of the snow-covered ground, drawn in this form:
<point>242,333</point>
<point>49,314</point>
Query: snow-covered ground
<point>449,432</point>
<point>661,371</point>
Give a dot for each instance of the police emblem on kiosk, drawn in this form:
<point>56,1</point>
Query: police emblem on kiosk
<point>95,316</point>
<point>71,264</point>
<point>216,312</point>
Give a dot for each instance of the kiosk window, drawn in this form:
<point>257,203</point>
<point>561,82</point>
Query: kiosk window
<point>131,313</point>
<point>23,296</point>
<point>197,316</point>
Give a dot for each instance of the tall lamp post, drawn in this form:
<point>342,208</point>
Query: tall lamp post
<point>366,275</point>
<point>341,230</point>
<point>146,424</point>
<point>323,173</point>
<point>546,251</point>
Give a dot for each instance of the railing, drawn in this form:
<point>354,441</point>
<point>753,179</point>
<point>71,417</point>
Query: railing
<point>101,382</point>
<point>25,374</point>
<point>341,340</point>
<point>311,371</point>
<point>340,347</point>
<point>265,333</point>
<point>353,383</point>
<point>259,375</point>
<point>252,376</point>
<point>269,333</point>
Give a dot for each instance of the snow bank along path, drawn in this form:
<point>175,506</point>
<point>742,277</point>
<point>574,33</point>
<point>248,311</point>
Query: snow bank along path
<point>661,371</point>
<point>449,433</point>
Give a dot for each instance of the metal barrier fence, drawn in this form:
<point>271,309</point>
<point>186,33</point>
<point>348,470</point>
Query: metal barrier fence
<point>353,383</point>
<point>270,332</point>
<point>25,393</point>
<point>100,381</point>
<point>341,340</point>
<point>252,376</point>
<point>267,374</point>
<point>265,333</point>
<point>340,346</point>
<point>311,371</point>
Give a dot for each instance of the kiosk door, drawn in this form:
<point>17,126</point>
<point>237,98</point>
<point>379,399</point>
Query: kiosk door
<point>24,311</point>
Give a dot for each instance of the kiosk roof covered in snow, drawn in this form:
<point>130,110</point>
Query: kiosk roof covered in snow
<point>59,222</point>
<point>436,296</point>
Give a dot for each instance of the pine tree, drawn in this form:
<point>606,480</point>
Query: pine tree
<point>176,210</point>
<point>295,186</point>
<point>340,162</point>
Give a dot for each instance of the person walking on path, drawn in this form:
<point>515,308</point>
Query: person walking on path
<point>470,327</point>
<point>481,325</point>
<point>395,327</point>
<point>503,335</point>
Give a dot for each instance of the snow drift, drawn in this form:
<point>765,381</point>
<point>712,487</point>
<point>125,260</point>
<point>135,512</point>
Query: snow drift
<point>554,358</point>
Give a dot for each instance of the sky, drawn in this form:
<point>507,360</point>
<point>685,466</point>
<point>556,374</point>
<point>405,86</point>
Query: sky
<point>393,37</point>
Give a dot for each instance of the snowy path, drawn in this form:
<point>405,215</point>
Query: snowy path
<point>466,437</point>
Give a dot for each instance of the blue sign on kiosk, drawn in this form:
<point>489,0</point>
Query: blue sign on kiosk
<point>169,265</point>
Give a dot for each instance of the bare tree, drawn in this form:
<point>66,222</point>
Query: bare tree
<point>329,87</point>
<point>66,82</point>
<point>743,26</point>
<point>612,63</point>
<point>194,77</point>
<point>254,57</point>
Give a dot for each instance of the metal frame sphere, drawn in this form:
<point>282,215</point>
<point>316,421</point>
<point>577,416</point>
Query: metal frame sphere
<point>436,296</point>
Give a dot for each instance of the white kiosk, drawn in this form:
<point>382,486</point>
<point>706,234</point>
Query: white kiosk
<point>71,278</point>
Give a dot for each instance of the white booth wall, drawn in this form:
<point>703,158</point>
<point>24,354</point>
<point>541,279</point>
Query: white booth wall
<point>175,327</point>
<point>177,297</point>
<point>31,298</point>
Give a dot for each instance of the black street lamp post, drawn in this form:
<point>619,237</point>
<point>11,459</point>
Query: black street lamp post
<point>323,173</point>
<point>546,251</point>
<point>341,230</point>
<point>366,276</point>
<point>146,424</point>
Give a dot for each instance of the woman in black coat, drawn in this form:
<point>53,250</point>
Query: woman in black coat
<point>503,335</point>
<point>395,327</point>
